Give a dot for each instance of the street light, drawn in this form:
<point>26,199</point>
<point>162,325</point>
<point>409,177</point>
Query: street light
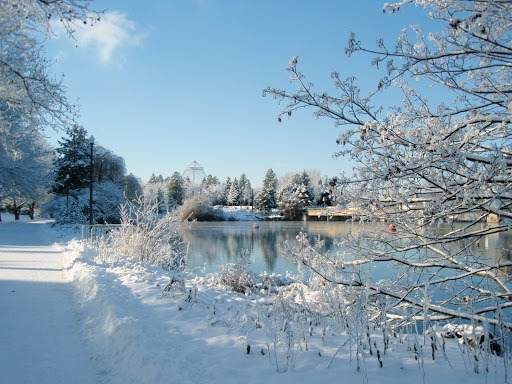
<point>66,184</point>
<point>91,143</point>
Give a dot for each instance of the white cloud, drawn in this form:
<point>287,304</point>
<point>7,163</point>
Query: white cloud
<point>110,36</point>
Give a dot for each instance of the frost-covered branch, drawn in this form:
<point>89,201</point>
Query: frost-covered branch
<point>441,171</point>
<point>26,79</point>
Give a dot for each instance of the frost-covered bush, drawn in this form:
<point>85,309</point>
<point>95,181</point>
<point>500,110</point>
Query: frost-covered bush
<point>74,207</point>
<point>238,275</point>
<point>147,237</point>
<point>199,208</point>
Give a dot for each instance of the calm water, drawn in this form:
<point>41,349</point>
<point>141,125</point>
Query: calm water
<point>215,243</point>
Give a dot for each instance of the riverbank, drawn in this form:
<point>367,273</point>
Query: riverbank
<point>200,331</point>
<point>248,214</point>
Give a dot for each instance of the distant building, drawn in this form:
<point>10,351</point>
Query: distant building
<point>194,172</point>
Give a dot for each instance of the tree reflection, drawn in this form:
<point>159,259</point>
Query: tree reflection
<point>212,244</point>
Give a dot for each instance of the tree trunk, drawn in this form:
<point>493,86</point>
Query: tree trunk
<point>32,207</point>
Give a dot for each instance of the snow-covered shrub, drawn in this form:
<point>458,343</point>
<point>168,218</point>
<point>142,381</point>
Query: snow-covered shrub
<point>238,275</point>
<point>64,209</point>
<point>74,207</point>
<point>146,236</point>
<point>198,208</point>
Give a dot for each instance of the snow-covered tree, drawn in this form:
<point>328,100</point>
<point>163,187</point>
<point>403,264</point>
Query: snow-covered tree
<point>227,186</point>
<point>108,166</point>
<point>26,80</point>
<point>24,165</point>
<point>234,193</point>
<point>72,177</point>
<point>154,192</point>
<point>294,195</point>
<point>213,190</point>
<point>304,191</point>
<point>176,190</point>
<point>288,202</point>
<point>161,201</point>
<point>244,184</point>
<point>132,188</point>
<point>424,161</point>
<point>74,207</point>
<point>72,162</point>
<point>154,179</point>
<point>28,89</point>
<point>266,198</point>
<point>209,181</point>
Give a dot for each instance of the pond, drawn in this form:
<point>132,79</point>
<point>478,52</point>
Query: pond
<point>216,243</point>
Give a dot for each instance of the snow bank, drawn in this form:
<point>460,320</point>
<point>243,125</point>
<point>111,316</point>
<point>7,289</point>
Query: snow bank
<point>238,213</point>
<point>207,334</point>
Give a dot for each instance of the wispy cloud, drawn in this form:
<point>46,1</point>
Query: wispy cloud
<point>108,38</point>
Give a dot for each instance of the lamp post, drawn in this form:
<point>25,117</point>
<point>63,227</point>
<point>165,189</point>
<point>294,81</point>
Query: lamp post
<point>91,143</point>
<point>67,194</point>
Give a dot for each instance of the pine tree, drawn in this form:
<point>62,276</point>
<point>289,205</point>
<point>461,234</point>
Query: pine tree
<point>72,163</point>
<point>304,191</point>
<point>176,189</point>
<point>294,195</point>
<point>234,193</point>
<point>266,199</point>
<point>160,200</point>
<point>209,181</point>
<point>153,179</point>
<point>245,188</point>
<point>225,193</point>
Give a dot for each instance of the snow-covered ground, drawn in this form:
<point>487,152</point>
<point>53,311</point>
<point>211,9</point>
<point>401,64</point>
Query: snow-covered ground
<point>67,317</point>
<point>40,338</point>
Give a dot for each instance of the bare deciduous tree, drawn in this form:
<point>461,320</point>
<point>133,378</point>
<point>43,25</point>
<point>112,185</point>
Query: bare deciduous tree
<point>26,79</point>
<point>441,172</point>
<point>31,97</point>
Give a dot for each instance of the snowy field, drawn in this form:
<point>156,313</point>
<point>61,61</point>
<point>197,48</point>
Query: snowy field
<point>67,318</point>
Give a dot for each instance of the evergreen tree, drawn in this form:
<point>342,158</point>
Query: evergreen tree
<point>72,162</point>
<point>225,193</point>
<point>153,179</point>
<point>234,193</point>
<point>305,179</point>
<point>266,199</point>
<point>71,203</point>
<point>304,195</point>
<point>209,181</point>
<point>304,191</point>
<point>245,190</point>
<point>176,189</point>
<point>160,200</point>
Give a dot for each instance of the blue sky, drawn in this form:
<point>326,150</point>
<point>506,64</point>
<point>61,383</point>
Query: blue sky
<point>166,82</point>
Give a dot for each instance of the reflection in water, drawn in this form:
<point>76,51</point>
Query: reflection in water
<point>499,246</point>
<point>215,243</point>
<point>212,244</point>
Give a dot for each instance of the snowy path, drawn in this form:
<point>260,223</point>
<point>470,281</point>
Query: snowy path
<point>39,333</point>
